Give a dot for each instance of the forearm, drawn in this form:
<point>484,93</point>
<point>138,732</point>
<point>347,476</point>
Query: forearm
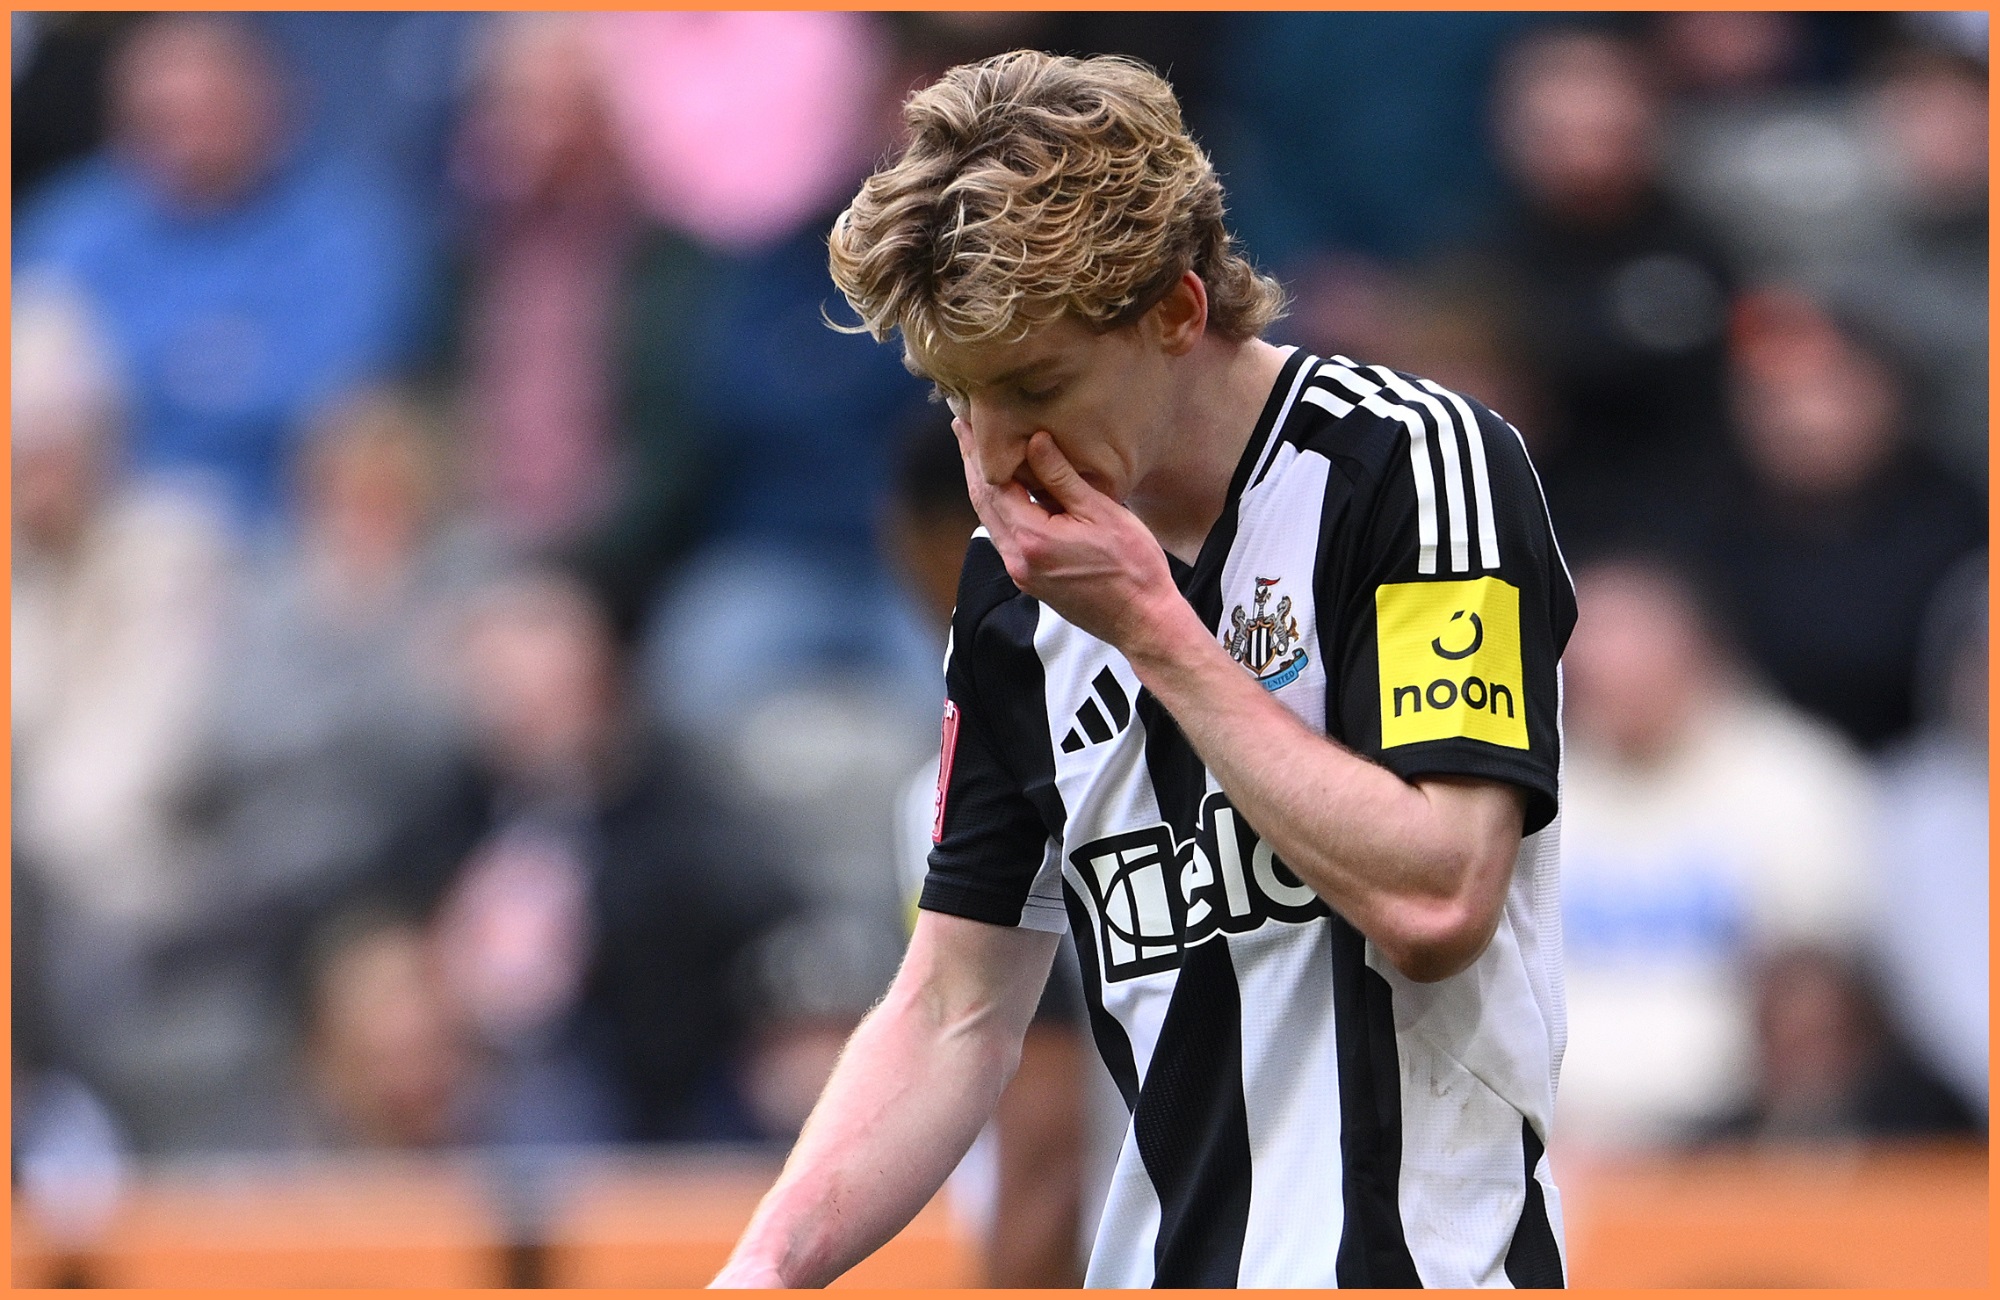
<point>898,1112</point>
<point>1387,854</point>
<point>912,1088</point>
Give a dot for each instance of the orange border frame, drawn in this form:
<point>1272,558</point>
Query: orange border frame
<point>6,286</point>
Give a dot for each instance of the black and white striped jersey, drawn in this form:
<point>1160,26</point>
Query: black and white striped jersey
<point>1302,1115</point>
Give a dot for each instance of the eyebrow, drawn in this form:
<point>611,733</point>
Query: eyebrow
<point>1017,374</point>
<point>1021,372</point>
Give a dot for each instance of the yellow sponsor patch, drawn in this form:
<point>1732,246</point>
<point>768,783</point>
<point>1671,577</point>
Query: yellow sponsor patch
<point>1450,656</point>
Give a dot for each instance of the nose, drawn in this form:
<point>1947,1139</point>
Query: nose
<point>998,437</point>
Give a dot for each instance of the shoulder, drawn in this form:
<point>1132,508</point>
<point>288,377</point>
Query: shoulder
<point>1338,410</point>
<point>344,227</point>
<point>85,205</point>
<point>168,536</point>
<point>994,670</point>
<point>1379,415</point>
<point>1432,471</point>
<point>992,616</point>
<point>1389,430</point>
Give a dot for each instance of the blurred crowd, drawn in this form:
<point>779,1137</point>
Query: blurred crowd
<point>469,630</point>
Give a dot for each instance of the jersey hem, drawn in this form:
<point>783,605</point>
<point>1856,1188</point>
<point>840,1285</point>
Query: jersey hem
<point>972,901</point>
<point>1446,758</point>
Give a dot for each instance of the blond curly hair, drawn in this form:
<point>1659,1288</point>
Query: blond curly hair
<point>1036,186</point>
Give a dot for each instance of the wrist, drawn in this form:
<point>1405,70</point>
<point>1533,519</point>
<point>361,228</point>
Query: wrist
<point>750,1275</point>
<point>766,1257</point>
<point>1160,630</point>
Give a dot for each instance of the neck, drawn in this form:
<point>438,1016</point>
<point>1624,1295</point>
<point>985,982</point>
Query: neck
<point>1223,390</point>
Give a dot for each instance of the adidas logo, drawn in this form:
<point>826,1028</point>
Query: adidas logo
<point>1090,719</point>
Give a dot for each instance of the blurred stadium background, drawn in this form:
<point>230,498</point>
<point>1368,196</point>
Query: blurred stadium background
<point>473,624</point>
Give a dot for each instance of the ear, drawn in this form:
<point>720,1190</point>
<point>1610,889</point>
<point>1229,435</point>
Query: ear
<point>1183,315</point>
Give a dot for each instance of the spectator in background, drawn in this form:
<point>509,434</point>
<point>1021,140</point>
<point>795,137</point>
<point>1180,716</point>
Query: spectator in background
<point>741,127</point>
<point>578,318</point>
<point>662,456</point>
<point>552,226</point>
<point>377,92</point>
<point>319,725</point>
<point>118,596</point>
<point>1724,56</point>
<point>1352,187</point>
<point>1620,296</point>
<point>1869,190</point>
<point>774,632</point>
<point>118,590</point>
<point>1932,854</point>
<point>785,586</point>
<point>1704,824</point>
<point>337,710</point>
<point>1354,133</point>
<point>240,287</point>
<point>1830,552</point>
<point>388,1058</point>
<point>1829,1063</point>
<point>1760,145</point>
<point>591,904</point>
<point>1922,277</point>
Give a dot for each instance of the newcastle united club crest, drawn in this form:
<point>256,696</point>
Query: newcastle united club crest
<point>1265,641</point>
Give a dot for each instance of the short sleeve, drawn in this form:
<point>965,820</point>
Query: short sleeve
<point>1455,606</point>
<point>993,857</point>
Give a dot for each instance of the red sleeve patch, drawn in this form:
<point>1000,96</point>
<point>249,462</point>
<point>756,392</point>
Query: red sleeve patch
<point>947,746</point>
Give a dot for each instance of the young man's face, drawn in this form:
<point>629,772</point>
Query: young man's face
<point>1102,397</point>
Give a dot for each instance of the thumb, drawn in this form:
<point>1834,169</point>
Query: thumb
<point>1055,473</point>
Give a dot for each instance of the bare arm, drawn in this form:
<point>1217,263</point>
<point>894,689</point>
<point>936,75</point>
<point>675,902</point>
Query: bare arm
<point>914,1085</point>
<point>1419,868</point>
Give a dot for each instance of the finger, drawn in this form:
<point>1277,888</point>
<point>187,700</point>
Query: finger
<point>1056,474</point>
<point>1039,494</point>
<point>1012,507</point>
<point>1012,519</point>
<point>1000,506</point>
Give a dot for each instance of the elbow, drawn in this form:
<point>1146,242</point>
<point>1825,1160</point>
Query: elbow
<point>1448,909</point>
<point>1436,938</point>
